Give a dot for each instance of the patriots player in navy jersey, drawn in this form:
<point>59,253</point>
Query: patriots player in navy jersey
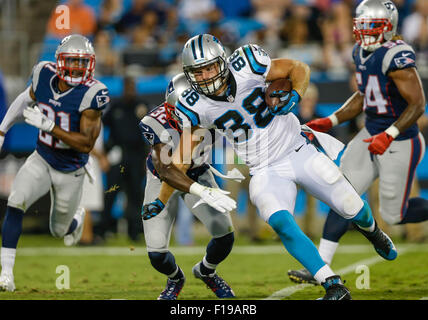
<point>390,145</point>
<point>162,130</point>
<point>65,103</point>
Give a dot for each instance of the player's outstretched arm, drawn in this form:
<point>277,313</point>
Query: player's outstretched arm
<point>349,110</point>
<point>83,141</point>
<point>14,112</point>
<point>174,173</point>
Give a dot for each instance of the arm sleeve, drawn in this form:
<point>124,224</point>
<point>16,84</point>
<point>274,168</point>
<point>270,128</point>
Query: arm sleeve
<point>14,113</point>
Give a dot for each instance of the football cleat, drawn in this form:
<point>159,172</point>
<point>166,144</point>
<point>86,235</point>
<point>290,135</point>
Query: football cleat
<point>6,283</point>
<point>381,242</point>
<point>74,237</point>
<point>301,276</point>
<point>215,283</point>
<point>172,289</point>
<point>335,290</point>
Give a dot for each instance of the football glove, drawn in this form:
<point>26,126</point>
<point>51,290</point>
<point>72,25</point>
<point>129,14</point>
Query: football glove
<point>214,197</point>
<point>379,142</point>
<point>287,101</point>
<point>152,209</point>
<point>36,118</point>
<point>322,124</point>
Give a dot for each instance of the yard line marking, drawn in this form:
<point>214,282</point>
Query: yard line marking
<point>424,298</point>
<point>193,250</point>
<point>288,291</point>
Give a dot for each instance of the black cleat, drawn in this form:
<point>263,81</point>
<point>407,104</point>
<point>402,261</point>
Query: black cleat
<point>381,242</point>
<point>335,290</point>
<point>301,276</point>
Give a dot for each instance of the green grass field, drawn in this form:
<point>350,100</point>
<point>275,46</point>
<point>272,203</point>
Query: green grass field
<point>121,270</point>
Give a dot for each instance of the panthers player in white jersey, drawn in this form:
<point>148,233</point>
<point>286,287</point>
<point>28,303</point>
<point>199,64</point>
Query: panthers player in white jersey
<point>162,132</point>
<point>228,95</point>
<point>390,146</point>
<point>65,103</point>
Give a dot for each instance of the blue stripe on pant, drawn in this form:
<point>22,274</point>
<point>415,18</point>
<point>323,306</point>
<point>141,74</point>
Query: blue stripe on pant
<point>295,241</point>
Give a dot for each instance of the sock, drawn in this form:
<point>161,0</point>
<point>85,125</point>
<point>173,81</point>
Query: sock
<point>164,262</point>
<point>323,274</point>
<point>335,226</point>
<point>177,274</point>
<point>295,241</point>
<point>77,220</point>
<point>7,260</point>
<point>12,227</point>
<point>364,218</point>
<point>417,211</point>
<point>217,250</point>
<point>327,250</point>
<point>206,267</point>
<point>72,227</point>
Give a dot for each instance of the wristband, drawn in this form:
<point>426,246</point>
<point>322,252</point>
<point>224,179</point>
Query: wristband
<point>393,131</point>
<point>333,119</point>
<point>196,189</point>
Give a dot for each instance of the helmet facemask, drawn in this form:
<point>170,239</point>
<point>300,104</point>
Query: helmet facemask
<point>75,68</point>
<point>173,120</point>
<point>212,85</point>
<point>370,33</point>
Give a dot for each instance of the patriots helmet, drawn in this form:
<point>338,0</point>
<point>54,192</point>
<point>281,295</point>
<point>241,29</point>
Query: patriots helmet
<point>375,22</point>
<point>176,87</point>
<point>75,58</point>
<point>199,53</point>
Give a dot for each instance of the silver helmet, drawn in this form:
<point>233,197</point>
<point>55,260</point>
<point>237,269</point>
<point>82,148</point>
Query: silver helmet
<point>204,52</point>
<point>75,58</point>
<point>176,87</point>
<point>375,22</point>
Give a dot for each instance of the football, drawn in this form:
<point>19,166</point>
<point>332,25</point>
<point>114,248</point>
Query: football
<point>280,84</point>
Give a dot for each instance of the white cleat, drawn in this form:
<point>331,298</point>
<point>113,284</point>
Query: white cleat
<point>74,237</point>
<point>6,283</point>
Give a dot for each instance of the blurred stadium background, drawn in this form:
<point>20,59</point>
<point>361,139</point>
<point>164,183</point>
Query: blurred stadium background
<point>143,39</point>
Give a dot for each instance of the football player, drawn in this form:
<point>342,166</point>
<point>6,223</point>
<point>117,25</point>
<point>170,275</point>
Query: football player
<point>162,130</point>
<point>65,103</point>
<point>390,146</point>
<point>228,94</point>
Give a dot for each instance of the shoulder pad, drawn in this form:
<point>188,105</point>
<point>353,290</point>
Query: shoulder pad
<point>399,55</point>
<point>37,69</point>
<point>96,97</point>
<point>256,57</point>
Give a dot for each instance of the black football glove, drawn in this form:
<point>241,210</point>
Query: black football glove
<point>152,209</point>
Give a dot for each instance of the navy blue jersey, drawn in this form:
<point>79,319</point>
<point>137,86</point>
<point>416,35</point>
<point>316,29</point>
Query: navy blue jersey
<point>383,103</point>
<point>156,129</point>
<point>65,109</point>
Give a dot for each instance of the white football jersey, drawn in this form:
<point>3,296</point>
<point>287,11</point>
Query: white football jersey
<point>258,137</point>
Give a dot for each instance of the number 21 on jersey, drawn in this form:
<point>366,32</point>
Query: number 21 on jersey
<point>64,124</point>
